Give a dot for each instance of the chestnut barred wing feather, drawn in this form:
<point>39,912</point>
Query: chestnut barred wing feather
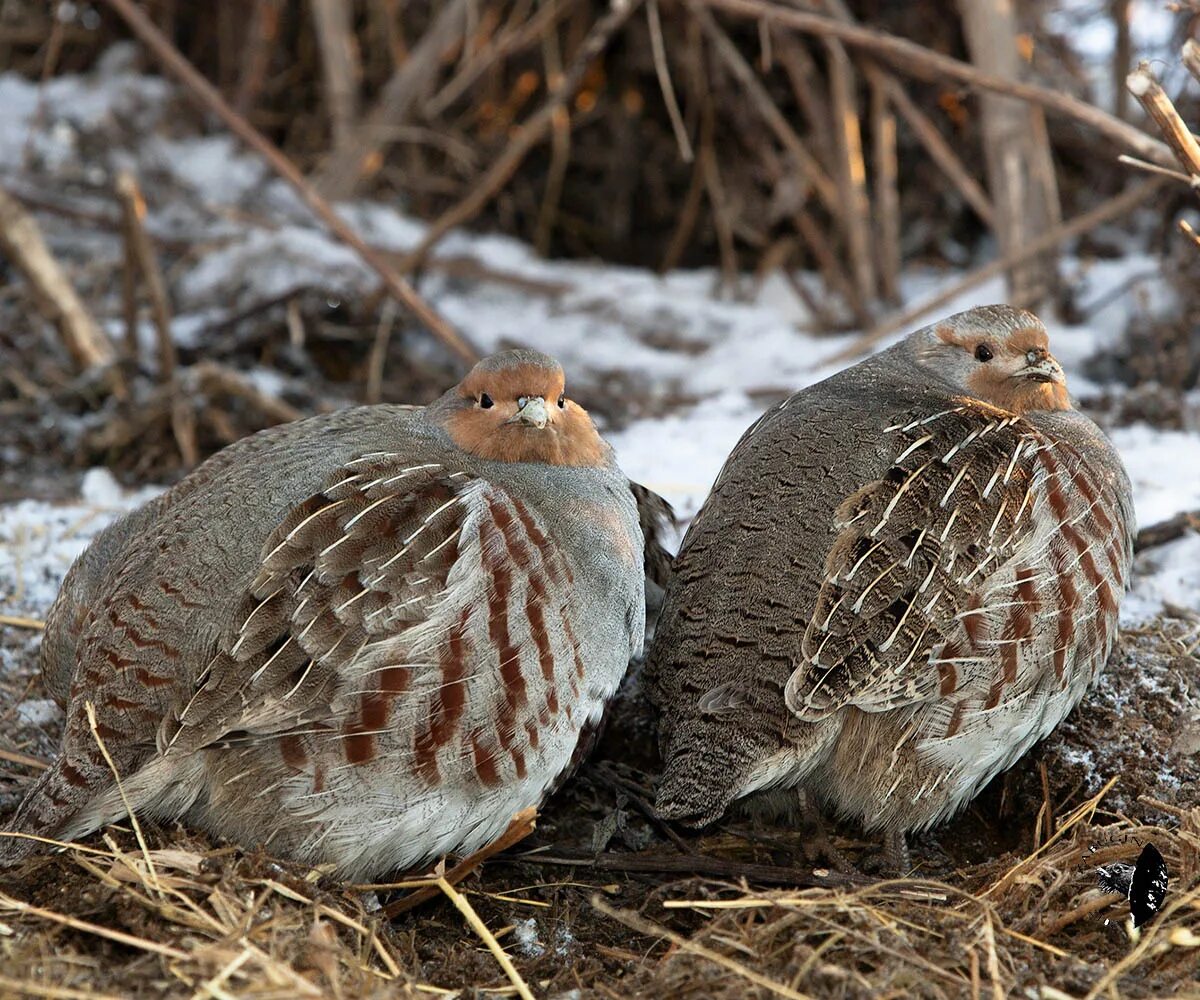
<point>388,591</point>
<point>962,569</point>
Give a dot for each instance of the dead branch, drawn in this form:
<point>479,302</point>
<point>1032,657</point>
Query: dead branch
<point>661,70</point>
<point>925,64</point>
<point>1167,531</point>
<point>687,865</point>
<point>214,377</point>
<point>851,170</point>
<point>939,150</point>
<point>21,240</point>
<point>1016,150</point>
<point>256,57</point>
<point>1143,85</point>
<point>887,193</point>
<point>140,255</point>
<point>805,162</point>
<point>397,101</point>
<point>1098,216</point>
<point>333,26</point>
<point>211,98</point>
<point>529,134</point>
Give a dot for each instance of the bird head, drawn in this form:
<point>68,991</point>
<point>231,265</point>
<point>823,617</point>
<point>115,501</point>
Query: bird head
<point>997,354</point>
<point>513,407</point>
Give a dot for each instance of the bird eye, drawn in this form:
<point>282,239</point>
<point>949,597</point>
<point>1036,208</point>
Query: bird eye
<point>983,353</point>
<point>562,400</point>
<point>485,401</point>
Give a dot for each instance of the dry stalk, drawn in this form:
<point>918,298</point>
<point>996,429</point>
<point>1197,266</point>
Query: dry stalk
<point>8,902</point>
<point>1143,85</point>
<point>24,759</point>
<point>17,621</point>
<point>21,240</point>
<point>359,151</point>
<point>210,97</point>
<point>851,171</point>
<point>137,827</point>
<point>140,254</point>
<point>662,71</point>
<point>332,21</point>
<point>528,134</point>
<point>923,63</point>
<point>887,192</point>
<point>809,169</point>
<point>1098,216</point>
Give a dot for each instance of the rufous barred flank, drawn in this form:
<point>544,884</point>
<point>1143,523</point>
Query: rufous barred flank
<point>904,577</point>
<point>365,638</point>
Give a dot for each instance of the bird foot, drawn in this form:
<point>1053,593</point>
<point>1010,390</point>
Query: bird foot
<point>818,846</point>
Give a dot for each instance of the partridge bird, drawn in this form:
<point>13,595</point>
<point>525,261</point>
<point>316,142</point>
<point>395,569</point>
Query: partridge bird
<point>904,577</point>
<point>366,638</point>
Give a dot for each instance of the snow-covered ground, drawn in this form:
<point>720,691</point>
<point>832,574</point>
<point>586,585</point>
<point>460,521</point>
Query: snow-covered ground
<point>655,339</point>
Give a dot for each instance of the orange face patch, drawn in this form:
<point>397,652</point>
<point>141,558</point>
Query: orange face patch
<point>998,382</point>
<point>493,431</point>
<point>1015,394</point>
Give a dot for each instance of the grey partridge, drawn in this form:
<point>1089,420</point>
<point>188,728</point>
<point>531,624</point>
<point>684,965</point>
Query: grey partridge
<point>366,638</point>
<point>903,578</point>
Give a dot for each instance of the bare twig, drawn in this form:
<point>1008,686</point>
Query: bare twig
<point>805,162</point>
<point>887,194</point>
<point>212,376</point>
<point>663,72</point>
<point>939,150</point>
<point>397,101</point>
<point>256,56</point>
<point>140,254</point>
<point>1153,98</point>
<point>528,134</point>
<point>1190,54</point>
<point>24,759</point>
<point>923,63</point>
<point>340,65</point>
<point>207,94</point>
<point>1098,216</point>
<point>686,865</point>
<point>851,170</point>
<point>521,826</point>
<point>378,356</point>
<point>21,240</point>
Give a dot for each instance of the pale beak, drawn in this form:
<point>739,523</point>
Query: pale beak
<point>533,413</point>
<point>1041,366</point>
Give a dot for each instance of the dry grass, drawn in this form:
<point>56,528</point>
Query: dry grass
<point>191,917</point>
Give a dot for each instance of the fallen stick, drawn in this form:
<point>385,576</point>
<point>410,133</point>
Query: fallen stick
<point>1102,213</point>
<point>210,97</point>
<point>1166,531</point>
<point>699,864</point>
<point>22,243</point>
<point>916,60</point>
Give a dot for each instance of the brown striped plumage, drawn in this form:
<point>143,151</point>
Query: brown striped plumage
<point>897,586</point>
<point>350,638</point>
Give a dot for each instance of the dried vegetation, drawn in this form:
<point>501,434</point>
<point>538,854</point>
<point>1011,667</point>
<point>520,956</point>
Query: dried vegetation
<point>806,140</point>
